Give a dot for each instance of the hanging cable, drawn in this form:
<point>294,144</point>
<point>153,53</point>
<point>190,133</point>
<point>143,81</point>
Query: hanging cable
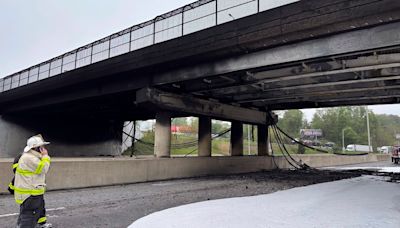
<point>282,150</point>
<point>178,145</point>
<point>285,149</point>
<point>317,149</point>
<point>212,138</point>
<point>300,163</point>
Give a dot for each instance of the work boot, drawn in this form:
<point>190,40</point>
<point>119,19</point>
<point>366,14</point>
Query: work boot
<point>45,225</point>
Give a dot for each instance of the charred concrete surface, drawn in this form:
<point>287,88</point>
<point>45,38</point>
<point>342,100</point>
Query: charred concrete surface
<point>235,56</point>
<point>69,136</point>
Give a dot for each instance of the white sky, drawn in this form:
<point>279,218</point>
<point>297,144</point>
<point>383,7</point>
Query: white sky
<point>35,31</point>
<point>377,109</point>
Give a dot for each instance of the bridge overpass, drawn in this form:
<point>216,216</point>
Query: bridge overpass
<point>230,60</point>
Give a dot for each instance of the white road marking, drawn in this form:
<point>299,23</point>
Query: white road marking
<point>14,214</point>
<point>55,209</point>
<point>8,215</point>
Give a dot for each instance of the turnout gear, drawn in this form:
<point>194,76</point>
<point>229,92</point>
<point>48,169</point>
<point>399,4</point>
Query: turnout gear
<point>30,175</point>
<point>30,211</point>
<point>46,225</point>
<point>29,183</point>
<point>33,213</point>
<point>35,141</point>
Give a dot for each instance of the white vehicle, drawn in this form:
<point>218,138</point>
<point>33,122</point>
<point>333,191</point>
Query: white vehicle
<point>359,148</point>
<point>386,149</point>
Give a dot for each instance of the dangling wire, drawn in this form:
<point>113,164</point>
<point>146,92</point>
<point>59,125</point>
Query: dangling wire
<point>317,149</point>
<point>212,138</point>
<point>282,149</point>
<point>272,153</point>
<point>177,145</point>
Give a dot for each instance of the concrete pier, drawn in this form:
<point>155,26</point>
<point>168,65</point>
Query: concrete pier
<point>262,143</point>
<point>237,138</point>
<point>204,137</point>
<point>162,141</point>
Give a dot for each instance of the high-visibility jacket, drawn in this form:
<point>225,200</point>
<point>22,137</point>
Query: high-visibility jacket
<point>30,175</point>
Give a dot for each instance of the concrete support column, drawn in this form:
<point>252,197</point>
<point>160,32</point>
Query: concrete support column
<point>236,139</point>
<point>262,143</point>
<point>204,137</point>
<point>162,140</point>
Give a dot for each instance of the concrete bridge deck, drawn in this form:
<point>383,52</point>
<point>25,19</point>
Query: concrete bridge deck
<point>234,61</point>
<point>302,55</point>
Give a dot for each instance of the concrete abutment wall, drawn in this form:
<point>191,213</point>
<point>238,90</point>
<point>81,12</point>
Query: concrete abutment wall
<point>69,173</point>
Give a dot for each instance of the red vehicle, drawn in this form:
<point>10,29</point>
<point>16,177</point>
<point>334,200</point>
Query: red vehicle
<point>396,154</point>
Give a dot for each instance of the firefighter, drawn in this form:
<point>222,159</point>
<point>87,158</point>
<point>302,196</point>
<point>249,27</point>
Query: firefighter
<point>29,185</point>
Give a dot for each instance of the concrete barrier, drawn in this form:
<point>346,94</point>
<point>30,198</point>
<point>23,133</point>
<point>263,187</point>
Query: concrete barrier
<point>324,160</point>
<point>68,173</point>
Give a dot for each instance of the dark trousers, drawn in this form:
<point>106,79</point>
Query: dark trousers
<point>30,211</point>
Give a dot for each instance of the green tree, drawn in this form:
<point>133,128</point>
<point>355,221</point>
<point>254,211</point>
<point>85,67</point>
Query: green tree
<point>389,126</point>
<point>353,120</point>
<point>291,122</point>
<point>220,126</point>
<point>194,124</point>
<point>180,121</point>
<point>350,136</point>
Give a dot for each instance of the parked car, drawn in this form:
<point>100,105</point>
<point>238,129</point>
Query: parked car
<point>329,144</point>
<point>395,154</point>
<point>385,149</point>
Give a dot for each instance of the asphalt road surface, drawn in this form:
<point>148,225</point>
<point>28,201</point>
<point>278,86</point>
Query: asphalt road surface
<point>119,206</point>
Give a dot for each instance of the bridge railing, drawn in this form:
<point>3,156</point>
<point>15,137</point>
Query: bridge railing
<point>185,20</point>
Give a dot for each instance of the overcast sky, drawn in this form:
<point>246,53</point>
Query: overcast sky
<point>34,31</point>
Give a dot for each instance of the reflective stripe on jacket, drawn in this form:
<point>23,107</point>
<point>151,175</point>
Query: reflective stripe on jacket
<point>30,175</point>
<point>14,168</point>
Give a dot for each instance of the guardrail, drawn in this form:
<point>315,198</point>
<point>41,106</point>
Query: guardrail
<point>185,20</point>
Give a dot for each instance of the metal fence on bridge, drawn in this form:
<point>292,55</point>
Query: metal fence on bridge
<point>185,20</point>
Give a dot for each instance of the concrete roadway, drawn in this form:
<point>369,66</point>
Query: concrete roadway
<point>361,202</point>
<point>384,166</point>
<point>119,206</point>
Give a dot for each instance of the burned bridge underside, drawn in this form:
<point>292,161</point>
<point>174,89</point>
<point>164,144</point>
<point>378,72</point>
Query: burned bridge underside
<point>368,77</point>
<point>309,54</point>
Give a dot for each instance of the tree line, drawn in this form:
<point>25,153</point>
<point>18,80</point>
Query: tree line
<point>349,121</point>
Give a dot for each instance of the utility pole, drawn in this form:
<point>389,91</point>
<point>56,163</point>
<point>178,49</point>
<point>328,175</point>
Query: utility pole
<point>369,134</point>
<point>248,138</point>
<point>343,140</point>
